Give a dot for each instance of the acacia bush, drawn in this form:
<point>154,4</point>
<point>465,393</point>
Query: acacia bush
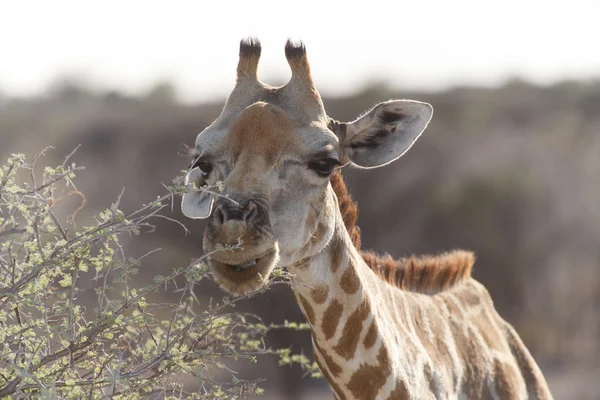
<point>127,344</point>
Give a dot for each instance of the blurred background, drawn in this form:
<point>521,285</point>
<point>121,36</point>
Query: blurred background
<point>509,166</point>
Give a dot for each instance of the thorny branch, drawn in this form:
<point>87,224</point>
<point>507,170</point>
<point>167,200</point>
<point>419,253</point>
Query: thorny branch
<point>49,342</point>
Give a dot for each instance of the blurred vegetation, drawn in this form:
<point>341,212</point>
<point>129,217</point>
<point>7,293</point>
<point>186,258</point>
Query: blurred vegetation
<point>511,173</point>
<point>126,344</point>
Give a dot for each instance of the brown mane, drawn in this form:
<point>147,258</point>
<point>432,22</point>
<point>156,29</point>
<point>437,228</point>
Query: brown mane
<point>348,207</point>
<point>424,274</point>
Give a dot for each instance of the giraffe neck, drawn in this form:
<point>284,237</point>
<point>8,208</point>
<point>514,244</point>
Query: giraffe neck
<point>374,340</point>
<point>334,291</point>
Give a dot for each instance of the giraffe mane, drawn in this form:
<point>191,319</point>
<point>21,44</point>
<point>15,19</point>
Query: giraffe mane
<point>424,274</point>
<point>348,207</point>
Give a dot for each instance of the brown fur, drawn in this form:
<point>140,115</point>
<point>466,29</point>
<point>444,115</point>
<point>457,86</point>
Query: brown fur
<point>267,127</point>
<point>348,207</point>
<point>400,392</point>
<point>366,382</point>
<point>320,293</point>
<point>371,336</point>
<point>336,255</point>
<point>424,274</point>
<point>332,366</point>
<point>331,318</point>
<point>335,368</point>
<point>308,310</point>
<point>350,282</point>
<point>348,342</point>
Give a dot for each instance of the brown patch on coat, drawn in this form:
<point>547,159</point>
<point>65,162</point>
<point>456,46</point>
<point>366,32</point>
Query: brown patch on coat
<point>350,281</point>
<point>400,392</point>
<point>534,380</point>
<point>308,310</point>
<point>331,318</point>
<point>475,368</point>
<point>504,380</point>
<point>368,379</point>
<point>489,331</point>
<point>424,274</point>
<point>371,336</point>
<point>319,293</point>
<point>330,363</point>
<point>334,386</point>
<point>335,255</point>
<point>348,342</point>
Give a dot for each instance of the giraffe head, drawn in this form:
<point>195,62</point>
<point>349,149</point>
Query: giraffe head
<point>274,150</point>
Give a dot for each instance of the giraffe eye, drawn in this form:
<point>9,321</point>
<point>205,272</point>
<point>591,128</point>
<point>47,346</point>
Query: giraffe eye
<point>324,167</point>
<point>204,166</point>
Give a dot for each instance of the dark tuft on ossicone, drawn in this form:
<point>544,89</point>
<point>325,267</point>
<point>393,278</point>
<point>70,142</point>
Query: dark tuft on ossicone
<point>250,47</point>
<point>294,49</point>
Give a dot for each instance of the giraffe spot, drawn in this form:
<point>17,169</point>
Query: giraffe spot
<point>488,330</point>
<point>332,383</point>
<point>319,293</point>
<point>504,377</point>
<point>528,369</point>
<point>335,255</point>
<point>350,282</point>
<point>366,382</point>
<point>400,392</point>
<point>329,361</point>
<point>351,333</point>
<point>371,336</point>
<point>308,310</point>
<point>476,367</point>
<point>331,318</point>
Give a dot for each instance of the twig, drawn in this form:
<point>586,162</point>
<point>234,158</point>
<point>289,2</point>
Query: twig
<point>12,232</point>
<point>70,155</point>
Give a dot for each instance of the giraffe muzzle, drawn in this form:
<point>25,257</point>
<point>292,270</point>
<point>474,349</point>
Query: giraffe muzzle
<point>242,249</point>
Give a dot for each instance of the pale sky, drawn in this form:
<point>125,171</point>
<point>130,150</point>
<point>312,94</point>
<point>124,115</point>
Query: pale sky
<point>418,44</point>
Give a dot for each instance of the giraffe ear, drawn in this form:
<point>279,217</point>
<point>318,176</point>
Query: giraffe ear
<point>196,204</point>
<point>385,133</point>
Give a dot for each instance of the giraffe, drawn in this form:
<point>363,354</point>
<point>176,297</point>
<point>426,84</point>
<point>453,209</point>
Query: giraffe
<point>413,328</point>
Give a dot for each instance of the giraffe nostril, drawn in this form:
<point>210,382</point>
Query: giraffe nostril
<point>219,216</point>
<point>250,213</point>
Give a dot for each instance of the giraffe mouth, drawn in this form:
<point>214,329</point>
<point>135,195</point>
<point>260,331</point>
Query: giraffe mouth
<point>239,276</point>
<point>245,265</point>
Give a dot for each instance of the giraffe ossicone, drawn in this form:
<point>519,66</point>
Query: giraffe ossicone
<point>414,328</point>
